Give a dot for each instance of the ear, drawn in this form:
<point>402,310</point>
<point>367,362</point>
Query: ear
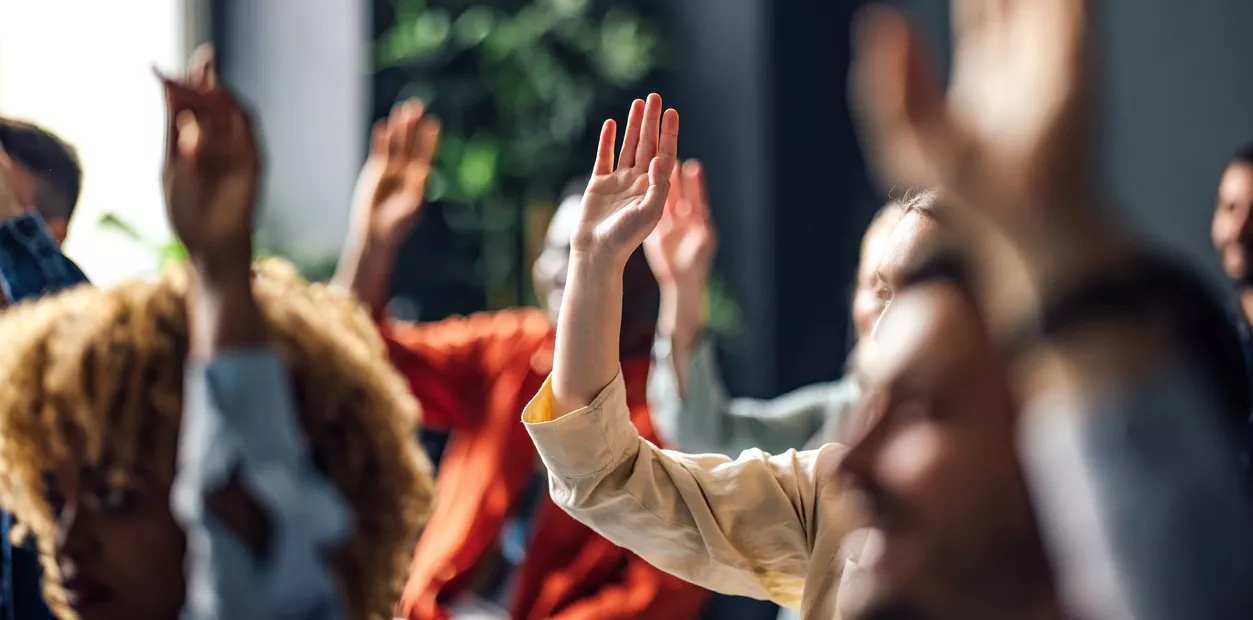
<point>58,226</point>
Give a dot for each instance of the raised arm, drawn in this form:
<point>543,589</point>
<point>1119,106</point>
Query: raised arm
<point>1136,490</point>
<point>388,201</point>
<point>260,518</point>
<point>698,517</point>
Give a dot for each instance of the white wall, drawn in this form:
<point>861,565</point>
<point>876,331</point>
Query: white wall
<point>83,69</point>
<point>303,64</point>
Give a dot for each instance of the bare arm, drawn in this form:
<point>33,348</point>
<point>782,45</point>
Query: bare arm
<point>620,208</point>
<point>387,202</point>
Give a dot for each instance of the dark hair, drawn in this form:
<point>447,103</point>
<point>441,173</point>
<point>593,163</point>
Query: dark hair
<point>1243,155</point>
<point>49,158</point>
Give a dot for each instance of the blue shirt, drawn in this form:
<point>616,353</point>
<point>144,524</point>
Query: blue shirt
<point>31,265</point>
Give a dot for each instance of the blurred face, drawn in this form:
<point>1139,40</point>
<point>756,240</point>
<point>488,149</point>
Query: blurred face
<point>1232,235</point>
<point>639,287</point>
<point>25,185</point>
<point>936,467</point>
<point>867,302</point>
<point>914,235</point>
<point>119,548</point>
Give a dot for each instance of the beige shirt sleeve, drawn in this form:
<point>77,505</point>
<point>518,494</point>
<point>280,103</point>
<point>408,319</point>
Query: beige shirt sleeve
<point>741,526</point>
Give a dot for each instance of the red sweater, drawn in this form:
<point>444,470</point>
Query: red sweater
<point>473,377</point>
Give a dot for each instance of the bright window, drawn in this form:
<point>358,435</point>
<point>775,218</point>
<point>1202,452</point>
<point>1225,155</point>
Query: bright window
<point>83,69</point>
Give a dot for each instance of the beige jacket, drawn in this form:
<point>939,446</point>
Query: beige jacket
<point>767,527</point>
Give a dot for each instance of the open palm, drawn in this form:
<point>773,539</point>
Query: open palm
<point>1010,134</point>
<point>681,248</point>
<point>392,185</point>
<point>622,205</point>
<point>212,163</point>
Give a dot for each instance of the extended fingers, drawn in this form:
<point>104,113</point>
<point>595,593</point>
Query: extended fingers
<point>693,187</point>
<point>647,148</point>
<point>604,150</point>
<point>631,139</point>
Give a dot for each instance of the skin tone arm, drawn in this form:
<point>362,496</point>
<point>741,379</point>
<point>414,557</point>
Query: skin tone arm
<point>388,201</point>
<point>210,178</point>
<point>621,207</point>
<point>680,252</point>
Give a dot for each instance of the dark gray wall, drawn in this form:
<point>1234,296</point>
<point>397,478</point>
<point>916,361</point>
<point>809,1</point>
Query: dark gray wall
<point>1178,89</point>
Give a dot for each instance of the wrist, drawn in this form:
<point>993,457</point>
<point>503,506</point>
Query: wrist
<point>682,312</point>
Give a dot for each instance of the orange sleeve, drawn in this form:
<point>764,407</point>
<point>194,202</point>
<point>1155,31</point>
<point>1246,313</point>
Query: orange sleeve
<point>449,364</point>
<point>643,592</point>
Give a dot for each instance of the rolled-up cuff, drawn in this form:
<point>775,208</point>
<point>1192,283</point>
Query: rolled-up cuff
<point>586,442</point>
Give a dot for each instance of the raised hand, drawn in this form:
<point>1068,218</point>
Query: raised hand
<point>392,185</point>
<point>1011,137</point>
<point>622,205</point>
<point>681,248</point>
<point>211,171</point>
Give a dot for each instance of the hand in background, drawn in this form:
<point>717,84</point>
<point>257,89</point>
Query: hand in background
<point>681,251</point>
<point>211,172</point>
<point>622,205</point>
<point>1009,146</point>
<point>392,185</point>
<point>1012,135</point>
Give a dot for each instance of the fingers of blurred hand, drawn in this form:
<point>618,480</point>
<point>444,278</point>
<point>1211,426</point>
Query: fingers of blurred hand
<point>190,138</point>
<point>428,140</point>
<point>202,68</point>
<point>631,138</point>
<point>902,110</point>
<point>694,186</point>
<point>379,137</point>
<point>676,189</point>
<point>604,150</point>
<point>647,148</point>
<point>411,117</point>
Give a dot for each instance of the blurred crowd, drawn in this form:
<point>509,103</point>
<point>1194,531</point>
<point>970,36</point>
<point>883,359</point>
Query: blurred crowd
<point>1043,417</point>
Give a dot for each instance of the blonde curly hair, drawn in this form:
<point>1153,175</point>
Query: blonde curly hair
<point>91,372</point>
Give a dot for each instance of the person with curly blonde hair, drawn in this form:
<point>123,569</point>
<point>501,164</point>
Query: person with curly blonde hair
<point>227,441</point>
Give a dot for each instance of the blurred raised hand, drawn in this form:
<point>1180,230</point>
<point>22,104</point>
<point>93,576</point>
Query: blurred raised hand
<point>1011,137</point>
<point>681,248</point>
<point>623,203</point>
<point>392,186</point>
<point>212,169</point>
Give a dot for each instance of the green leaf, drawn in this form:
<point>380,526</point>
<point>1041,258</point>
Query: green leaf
<point>477,171</point>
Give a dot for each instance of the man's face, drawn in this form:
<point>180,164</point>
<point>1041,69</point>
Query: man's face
<point>914,234</point>
<point>1232,235</point>
<point>936,467</point>
<point>868,304</point>
<point>26,187</point>
<point>639,287</point>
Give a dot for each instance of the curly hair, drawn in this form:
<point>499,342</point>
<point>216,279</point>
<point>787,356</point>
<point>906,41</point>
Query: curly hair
<point>92,372</point>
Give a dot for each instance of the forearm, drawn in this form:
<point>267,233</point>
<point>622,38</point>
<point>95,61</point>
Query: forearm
<point>365,269</point>
<point>681,319</point>
<point>586,355</point>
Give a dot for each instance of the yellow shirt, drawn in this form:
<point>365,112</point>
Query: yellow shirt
<point>762,526</point>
